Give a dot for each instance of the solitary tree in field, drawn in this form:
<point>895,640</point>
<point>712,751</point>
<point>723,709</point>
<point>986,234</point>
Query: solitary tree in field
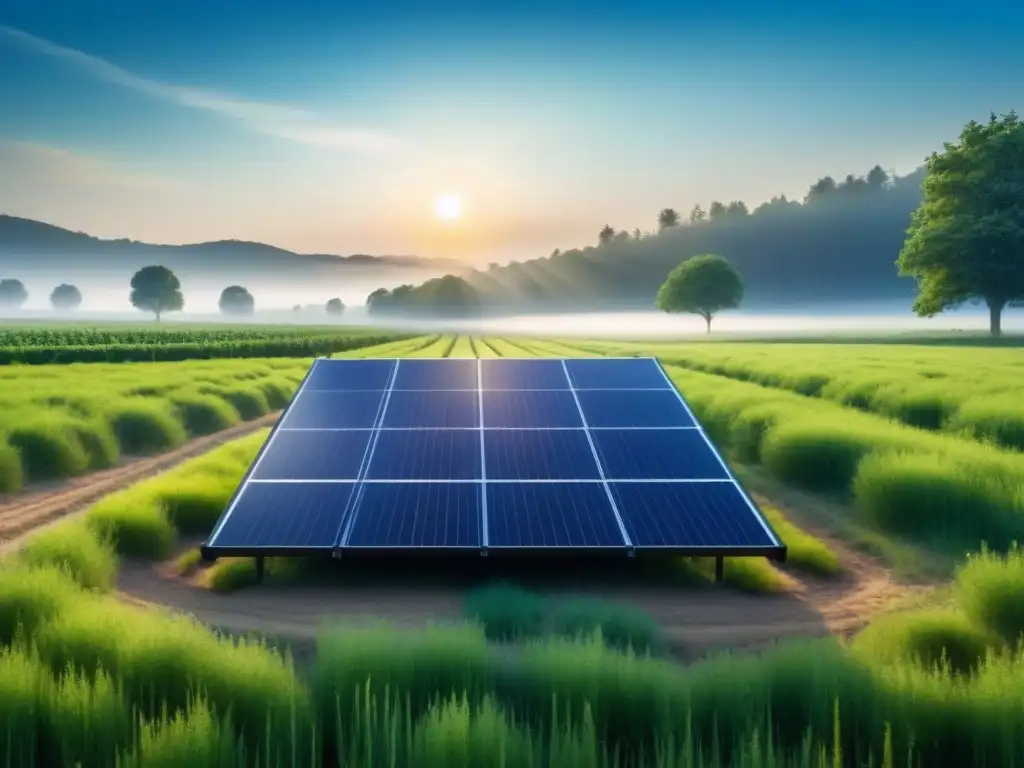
<point>966,240</point>
<point>156,289</point>
<point>236,300</point>
<point>297,308</point>
<point>668,218</point>
<point>703,285</point>
<point>12,293</point>
<point>66,297</point>
<point>606,235</point>
<point>335,307</point>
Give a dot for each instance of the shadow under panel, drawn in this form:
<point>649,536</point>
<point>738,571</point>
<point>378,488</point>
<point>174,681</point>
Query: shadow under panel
<point>544,454</point>
<point>657,454</point>
<point>413,409</point>
<point>285,515</point>
<point>417,515</point>
<point>349,374</point>
<point>424,454</point>
<point>313,455</point>
<point>633,408</point>
<point>316,409</point>
<point>496,373</point>
<point>445,373</point>
<point>530,409</point>
<point>551,515</point>
<point>661,515</point>
<point>628,373</point>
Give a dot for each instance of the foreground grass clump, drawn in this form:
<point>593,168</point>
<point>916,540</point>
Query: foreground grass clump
<point>73,547</point>
<point>930,638</point>
<point>990,587</point>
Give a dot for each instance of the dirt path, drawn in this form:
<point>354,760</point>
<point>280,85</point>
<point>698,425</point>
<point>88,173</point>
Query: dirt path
<point>44,503</point>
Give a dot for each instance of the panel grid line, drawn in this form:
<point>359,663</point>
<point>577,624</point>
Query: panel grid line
<point>725,467</point>
<point>597,459</point>
<point>484,532</point>
<point>345,530</point>
<point>486,429</point>
<point>496,480</point>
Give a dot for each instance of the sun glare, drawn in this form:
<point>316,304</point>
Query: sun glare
<point>448,207</point>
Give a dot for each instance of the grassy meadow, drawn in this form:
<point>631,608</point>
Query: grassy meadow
<point>86,679</point>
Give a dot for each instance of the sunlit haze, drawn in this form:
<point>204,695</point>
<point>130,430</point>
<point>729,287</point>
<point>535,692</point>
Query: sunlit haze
<point>324,127</point>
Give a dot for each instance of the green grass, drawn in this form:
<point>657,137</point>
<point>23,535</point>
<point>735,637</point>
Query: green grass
<point>73,547</point>
<point>929,638</point>
<point>990,587</point>
<point>804,552</point>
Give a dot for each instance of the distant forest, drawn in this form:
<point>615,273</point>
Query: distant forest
<point>840,243</point>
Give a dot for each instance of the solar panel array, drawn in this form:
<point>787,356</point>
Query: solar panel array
<point>492,455</point>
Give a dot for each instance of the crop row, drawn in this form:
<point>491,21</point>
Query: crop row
<point>77,336</point>
<point>966,391</point>
<point>80,668</point>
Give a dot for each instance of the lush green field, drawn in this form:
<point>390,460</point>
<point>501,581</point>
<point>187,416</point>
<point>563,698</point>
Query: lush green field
<point>55,343</point>
<point>62,421</point>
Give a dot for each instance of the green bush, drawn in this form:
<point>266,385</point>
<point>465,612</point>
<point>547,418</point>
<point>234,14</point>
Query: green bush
<point>618,625</point>
<point>134,522</point>
<point>814,455</point>
<point>12,477</point>
<point>930,638</point>
<point>98,440</point>
<point>990,589</point>
<point>204,414</point>
<point>73,547</point>
<point>144,426</point>
<point>48,448</point>
<point>249,402</point>
<point>506,612</point>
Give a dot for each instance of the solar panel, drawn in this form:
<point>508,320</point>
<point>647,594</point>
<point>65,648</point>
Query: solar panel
<point>490,455</point>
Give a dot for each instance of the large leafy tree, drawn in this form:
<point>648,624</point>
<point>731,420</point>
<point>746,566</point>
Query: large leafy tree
<point>703,285</point>
<point>156,289</point>
<point>236,300</point>
<point>966,240</point>
<point>606,235</point>
<point>334,306</point>
<point>12,293</point>
<point>66,297</point>
<point>667,218</point>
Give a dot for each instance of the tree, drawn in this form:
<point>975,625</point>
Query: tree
<point>669,217</point>
<point>606,235</point>
<point>12,293</point>
<point>156,289</point>
<point>966,239</point>
<point>297,308</point>
<point>66,297</point>
<point>697,214</point>
<point>236,300</point>
<point>703,286</point>
<point>335,307</point>
<point>716,210</point>
<point>637,234</point>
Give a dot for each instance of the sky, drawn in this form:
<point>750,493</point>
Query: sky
<point>333,126</point>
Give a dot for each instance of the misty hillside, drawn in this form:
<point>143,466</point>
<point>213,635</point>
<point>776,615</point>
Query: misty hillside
<point>25,243</point>
<point>840,243</point>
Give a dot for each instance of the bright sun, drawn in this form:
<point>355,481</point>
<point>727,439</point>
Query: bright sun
<point>448,207</point>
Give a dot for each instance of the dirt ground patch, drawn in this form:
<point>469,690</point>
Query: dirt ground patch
<point>44,503</point>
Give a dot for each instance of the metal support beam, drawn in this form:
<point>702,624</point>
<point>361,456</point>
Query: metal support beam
<point>719,568</point>
<point>259,569</point>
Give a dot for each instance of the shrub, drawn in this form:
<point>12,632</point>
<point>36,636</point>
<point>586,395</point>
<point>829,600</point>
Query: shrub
<point>814,455</point>
<point>73,547</point>
<point>193,505</point>
<point>204,414</point>
<point>249,402</point>
<point>143,426</point>
<point>134,522</point>
<point>48,448</point>
<point>506,612</point>
<point>12,477</point>
<point>930,638</point>
<point>620,626</point>
<point>990,589</point>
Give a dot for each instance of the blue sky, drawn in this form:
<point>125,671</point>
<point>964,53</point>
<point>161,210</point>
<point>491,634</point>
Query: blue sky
<point>333,126</point>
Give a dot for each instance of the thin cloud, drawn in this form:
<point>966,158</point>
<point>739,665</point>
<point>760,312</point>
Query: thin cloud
<point>292,123</point>
<point>28,163</point>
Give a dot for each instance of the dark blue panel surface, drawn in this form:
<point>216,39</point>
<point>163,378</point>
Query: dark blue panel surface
<point>523,374</point>
<point>432,409</point>
<point>444,373</point>
<point>417,515</point>
<point>531,409</point>
<point>549,454</point>
<point>333,410</point>
<point>656,454</point>
<point>551,515</point>
<point>285,515</point>
<point>626,408</point>
<point>688,514</point>
<point>451,454</point>
<point>349,374</point>
<point>628,373</point>
<point>313,456</point>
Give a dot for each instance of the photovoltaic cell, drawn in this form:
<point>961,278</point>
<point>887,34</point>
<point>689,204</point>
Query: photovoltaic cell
<point>437,374</point>
<point>300,515</point>
<point>523,374</point>
<point>633,408</point>
<point>417,515</point>
<point>432,409</point>
<point>528,409</point>
<point>333,410</point>
<point>690,514</point>
<point>313,456</point>
<point>550,454</point>
<point>628,373</point>
<point>656,454</point>
<point>349,374</point>
<point>551,515</point>
<point>426,455</point>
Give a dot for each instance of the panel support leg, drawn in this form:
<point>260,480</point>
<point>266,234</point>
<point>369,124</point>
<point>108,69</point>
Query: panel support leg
<point>259,569</point>
<point>719,569</point>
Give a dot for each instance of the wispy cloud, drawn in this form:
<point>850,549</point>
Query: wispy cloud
<point>28,163</point>
<point>279,120</point>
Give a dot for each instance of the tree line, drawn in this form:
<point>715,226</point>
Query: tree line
<point>155,289</point>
